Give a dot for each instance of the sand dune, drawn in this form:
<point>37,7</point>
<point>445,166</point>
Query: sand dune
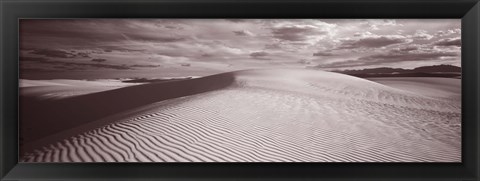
<point>276,115</point>
<point>70,112</point>
<point>436,87</point>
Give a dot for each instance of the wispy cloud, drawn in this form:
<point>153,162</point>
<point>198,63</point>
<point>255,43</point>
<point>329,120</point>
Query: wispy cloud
<point>369,40</point>
<point>449,42</point>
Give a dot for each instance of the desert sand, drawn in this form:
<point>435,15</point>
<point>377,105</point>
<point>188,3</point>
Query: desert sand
<point>430,86</point>
<point>268,115</point>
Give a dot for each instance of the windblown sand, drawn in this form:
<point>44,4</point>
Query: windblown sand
<point>276,115</point>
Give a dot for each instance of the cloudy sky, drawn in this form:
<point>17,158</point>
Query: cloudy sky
<point>206,46</point>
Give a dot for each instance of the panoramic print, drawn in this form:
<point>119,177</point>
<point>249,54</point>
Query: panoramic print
<point>240,90</point>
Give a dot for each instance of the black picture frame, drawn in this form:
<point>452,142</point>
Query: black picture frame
<point>13,10</point>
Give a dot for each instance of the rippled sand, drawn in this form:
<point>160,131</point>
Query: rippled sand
<point>279,115</point>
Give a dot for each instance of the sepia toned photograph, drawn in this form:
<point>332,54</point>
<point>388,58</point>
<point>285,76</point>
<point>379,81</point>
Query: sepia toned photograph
<point>240,90</point>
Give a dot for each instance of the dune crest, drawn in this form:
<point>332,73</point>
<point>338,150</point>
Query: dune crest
<point>69,112</point>
<point>273,115</point>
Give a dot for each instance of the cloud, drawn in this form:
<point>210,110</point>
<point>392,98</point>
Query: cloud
<point>408,48</point>
<point>449,32</point>
<point>321,54</point>
<point>185,64</point>
<point>118,48</point>
<point>144,66</point>
<point>273,46</point>
<point>305,62</point>
<point>171,53</point>
<point>394,56</point>
<point>31,69</point>
<point>377,24</point>
<point>83,54</point>
<point>68,32</point>
<point>207,55</point>
<point>71,65</point>
<point>99,60</point>
<point>221,42</point>
<point>33,59</point>
<point>309,31</point>
<point>260,55</point>
<point>237,20</point>
<point>409,56</point>
<point>422,35</point>
<point>449,42</point>
<point>53,53</point>
<point>369,40</point>
<point>107,66</point>
<point>173,27</point>
<point>341,64</point>
<point>243,33</point>
<point>296,33</point>
<point>153,37</point>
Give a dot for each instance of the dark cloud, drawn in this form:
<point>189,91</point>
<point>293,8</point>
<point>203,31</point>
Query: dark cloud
<point>72,64</point>
<point>372,42</point>
<point>33,59</point>
<point>393,56</point>
<point>89,34</point>
<point>61,67</point>
<point>306,62</point>
<point>172,53</point>
<point>153,37</point>
<point>185,65</point>
<point>107,66</point>
<point>410,56</point>
<point>357,34</point>
<point>145,66</point>
<point>27,70</point>
<point>408,48</point>
<point>273,46</point>
<point>34,32</point>
<point>173,27</point>
<point>237,20</point>
<point>295,33</point>
<point>111,48</point>
<point>99,60</point>
<point>259,54</point>
<point>83,55</point>
<point>323,54</point>
<point>53,53</point>
<point>206,55</point>
<point>243,33</point>
<point>449,42</point>
<point>341,64</point>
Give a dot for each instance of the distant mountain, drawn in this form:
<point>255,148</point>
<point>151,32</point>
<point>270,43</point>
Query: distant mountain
<point>381,70</point>
<point>438,68</point>
<point>425,71</point>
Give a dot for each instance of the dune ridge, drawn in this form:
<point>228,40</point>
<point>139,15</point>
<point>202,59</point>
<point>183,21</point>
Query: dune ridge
<point>83,109</point>
<point>277,115</point>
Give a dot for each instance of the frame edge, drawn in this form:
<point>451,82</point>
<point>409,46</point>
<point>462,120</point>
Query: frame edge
<point>5,168</point>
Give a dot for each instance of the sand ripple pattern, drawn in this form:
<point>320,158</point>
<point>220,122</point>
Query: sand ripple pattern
<point>245,123</point>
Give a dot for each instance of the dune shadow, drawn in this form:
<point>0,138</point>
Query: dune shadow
<point>40,118</point>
